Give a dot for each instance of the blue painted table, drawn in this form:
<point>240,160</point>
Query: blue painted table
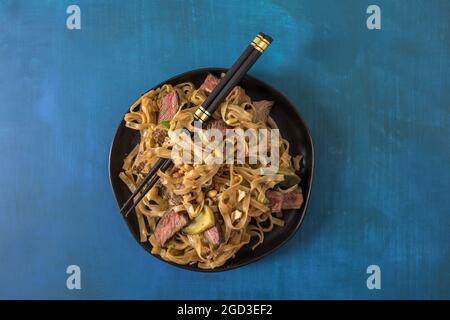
<point>377,102</point>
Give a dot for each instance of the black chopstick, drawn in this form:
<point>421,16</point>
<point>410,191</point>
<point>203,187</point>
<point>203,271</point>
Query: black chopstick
<point>166,164</point>
<point>144,181</point>
<point>228,75</point>
<point>207,101</point>
<point>257,47</point>
<point>211,103</point>
<point>235,79</point>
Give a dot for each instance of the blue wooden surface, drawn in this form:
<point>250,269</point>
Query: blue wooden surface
<point>377,103</point>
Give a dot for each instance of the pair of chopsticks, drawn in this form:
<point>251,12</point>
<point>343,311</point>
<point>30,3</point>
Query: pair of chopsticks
<point>206,109</point>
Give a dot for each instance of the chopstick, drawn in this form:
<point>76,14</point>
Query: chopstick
<point>203,113</point>
<point>207,101</point>
<point>236,78</point>
<point>207,108</point>
<point>165,165</point>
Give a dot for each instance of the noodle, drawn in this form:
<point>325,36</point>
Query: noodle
<point>239,198</point>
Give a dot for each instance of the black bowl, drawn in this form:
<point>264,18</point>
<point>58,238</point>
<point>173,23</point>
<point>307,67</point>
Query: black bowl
<point>292,127</point>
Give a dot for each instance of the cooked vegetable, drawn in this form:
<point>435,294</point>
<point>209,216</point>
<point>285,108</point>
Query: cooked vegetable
<point>171,244</point>
<point>202,222</point>
<point>166,123</point>
<point>289,181</point>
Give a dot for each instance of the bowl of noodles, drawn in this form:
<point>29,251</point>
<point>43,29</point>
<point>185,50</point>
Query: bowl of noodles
<point>204,214</point>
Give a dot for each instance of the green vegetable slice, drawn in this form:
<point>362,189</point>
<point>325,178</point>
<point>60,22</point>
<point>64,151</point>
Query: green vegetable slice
<point>202,222</point>
<point>166,123</point>
<point>171,244</point>
<point>289,181</point>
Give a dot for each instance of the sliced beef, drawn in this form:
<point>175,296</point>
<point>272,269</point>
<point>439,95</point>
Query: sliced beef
<point>263,108</point>
<point>141,166</point>
<point>170,223</point>
<point>174,199</point>
<point>159,135</point>
<point>210,83</point>
<point>169,107</point>
<point>214,235</point>
<point>219,125</point>
<point>292,200</point>
<point>282,201</point>
<point>275,200</point>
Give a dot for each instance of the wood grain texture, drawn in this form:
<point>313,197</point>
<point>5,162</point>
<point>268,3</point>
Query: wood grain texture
<point>377,103</point>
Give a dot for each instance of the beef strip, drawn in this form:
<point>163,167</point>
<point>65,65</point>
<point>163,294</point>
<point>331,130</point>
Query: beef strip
<point>174,199</point>
<point>169,107</point>
<point>214,235</point>
<point>292,200</point>
<point>282,201</point>
<point>159,135</point>
<point>170,223</point>
<point>263,108</point>
<point>210,83</point>
<point>275,200</point>
<point>141,166</point>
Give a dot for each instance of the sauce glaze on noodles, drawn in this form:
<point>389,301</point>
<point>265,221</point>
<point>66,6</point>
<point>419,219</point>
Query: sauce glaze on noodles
<point>240,203</point>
